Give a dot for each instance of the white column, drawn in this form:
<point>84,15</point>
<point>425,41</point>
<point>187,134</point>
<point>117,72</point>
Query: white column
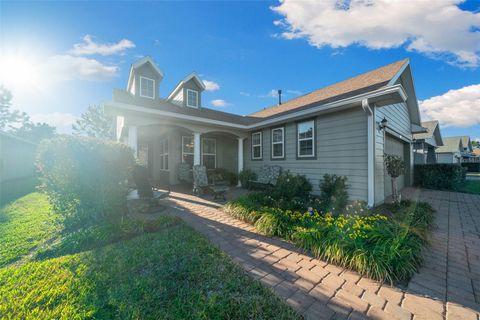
<point>240,157</point>
<point>119,126</point>
<point>196,148</point>
<point>132,139</point>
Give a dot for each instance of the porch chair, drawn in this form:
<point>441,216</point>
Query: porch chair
<point>201,185</point>
<point>145,190</point>
<point>267,177</point>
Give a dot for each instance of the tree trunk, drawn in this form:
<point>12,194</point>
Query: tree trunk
<point>394,190</point>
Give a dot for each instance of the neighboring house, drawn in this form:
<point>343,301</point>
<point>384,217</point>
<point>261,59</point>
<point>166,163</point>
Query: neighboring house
<point>468,156</point>
<point>17,166</point>
<point>451,151</point>
<point>425,143</point>
<point>333,130</point>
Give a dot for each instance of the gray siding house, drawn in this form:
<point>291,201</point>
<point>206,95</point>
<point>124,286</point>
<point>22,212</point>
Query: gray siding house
<point>425,143</point>
<point>337,129</point>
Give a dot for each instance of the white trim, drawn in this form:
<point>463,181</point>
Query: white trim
<point>282,143</point>
<point>193,76</point>
<point>209,154</point>
<point>257,145</point>
<point>370,152</point>
<point>196,148</point>
<point>140,87</point>
<point>399,73</point>
<point>186,100</point>
<point>240,158</point>
<point>324,107</point>
<point>187,153</point>
<point>163,143</point>
<point>306,139</point>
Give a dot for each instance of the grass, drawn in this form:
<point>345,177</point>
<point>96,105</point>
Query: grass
<point>385,244</point>
<point>25,224</point>
<point>172,272</point>
<point>470,186</point>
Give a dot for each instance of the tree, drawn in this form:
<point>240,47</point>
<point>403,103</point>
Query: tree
<point>94,123</point>
<point>395,167</point>
<point>35,132</point>
<point>10,119</point>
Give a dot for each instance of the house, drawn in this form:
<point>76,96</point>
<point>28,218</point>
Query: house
<point>451,151</point>
<point>425,143</point>
<point>17,167</point>
<point>342,129</point>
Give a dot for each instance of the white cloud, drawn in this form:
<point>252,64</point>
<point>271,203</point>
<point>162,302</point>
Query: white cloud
<point>89,47</point>
<point>270,94</point>
<point>62,121</point>
<point>294,92</point>
<point>219,103</point>
<point>455,108</point>
<point>439,29</point>
<point>211,85</point>
<point>245,94</point>
<point>67,67</point>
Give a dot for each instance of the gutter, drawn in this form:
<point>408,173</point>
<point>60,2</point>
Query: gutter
<point>303,113</point>
<point>370,152</point>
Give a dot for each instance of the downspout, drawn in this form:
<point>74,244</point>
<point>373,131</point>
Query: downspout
<point>370,151</point>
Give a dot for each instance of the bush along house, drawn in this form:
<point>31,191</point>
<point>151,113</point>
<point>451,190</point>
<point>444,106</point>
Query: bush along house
<point>342,129</point>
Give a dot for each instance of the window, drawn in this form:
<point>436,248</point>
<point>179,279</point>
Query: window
<point>209,153</point>
<point>278,137</point>
<point>192,98</point>
<point>147,87</point>
<point>187,150</point>
<point>257,145</point>
<point>164,154</point>
<point>306,139</point>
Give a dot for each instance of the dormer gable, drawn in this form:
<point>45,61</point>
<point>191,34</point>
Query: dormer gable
<point>144,79</point>
<point>188,92</point>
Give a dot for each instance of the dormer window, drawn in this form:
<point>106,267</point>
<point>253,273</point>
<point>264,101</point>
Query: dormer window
<point>147,88</point>
<point>192,98</point>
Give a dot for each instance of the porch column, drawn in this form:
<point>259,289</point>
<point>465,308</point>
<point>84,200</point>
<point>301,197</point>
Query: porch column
<point>196,148</point>
<point>119,127</point>
<point>132,139</point>
<point>240,157</point>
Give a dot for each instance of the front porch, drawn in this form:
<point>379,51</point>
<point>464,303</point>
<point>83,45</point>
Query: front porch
<point>163,148</point>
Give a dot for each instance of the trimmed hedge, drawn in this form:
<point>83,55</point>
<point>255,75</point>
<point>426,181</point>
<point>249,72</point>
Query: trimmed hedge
<point>472,166</point>
<point>439,176</point>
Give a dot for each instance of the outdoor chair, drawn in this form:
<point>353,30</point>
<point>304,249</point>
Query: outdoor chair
<point>145,190</point>
<point>201,185</point>
<point>267,177</point>
<point>184,172</point>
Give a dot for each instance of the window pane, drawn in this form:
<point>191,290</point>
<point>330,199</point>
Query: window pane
<point>208,146</point>
<point>146,87</point>
<point>305,130</point>
<point>192,98</point>
<point>256,139</point>
<point>209,161</point>
<point>188,158</point>
<point>306,148</point>
<point>187,144</point>
<point>278,150</point>
<point>161,163</point>
<point>256,152</point>
<point>277,135</point>
<point>165,162</point>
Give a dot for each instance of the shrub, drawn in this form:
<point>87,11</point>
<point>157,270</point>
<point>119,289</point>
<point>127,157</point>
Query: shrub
<point>85,178</point>
<point>220,174</point>
<point>245,176</point>
<point>290,186</point>
<point>333,193</point>
<point>472,166</point>
<point>439,176</point>
<point>395,167</point>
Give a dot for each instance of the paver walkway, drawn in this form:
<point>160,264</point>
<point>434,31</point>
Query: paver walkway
<point>447,287</point>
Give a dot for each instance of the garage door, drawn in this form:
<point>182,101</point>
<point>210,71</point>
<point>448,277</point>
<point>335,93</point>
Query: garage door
<point>396,147</point>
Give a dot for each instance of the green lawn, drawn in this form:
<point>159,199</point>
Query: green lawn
<point>24,225</point>
<point>174,273</point>
<point>471,186</point>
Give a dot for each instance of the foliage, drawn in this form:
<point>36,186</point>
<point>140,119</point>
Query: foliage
<point>245,176</point>
<point>439,176</point>
<point>85,178</point>
<point>290,186</point>
<point>221,174</point>
<point>94,123</point>
<point>470,186</point>
<point>395,165</point>
<point>471,166</point>
<point>333,193</point>
<point>173,274</point>
<point>25,224</point>
<point>384,244</point>
<point>35,132</point>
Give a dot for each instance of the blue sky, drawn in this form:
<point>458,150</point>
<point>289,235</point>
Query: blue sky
<point>247,48</point>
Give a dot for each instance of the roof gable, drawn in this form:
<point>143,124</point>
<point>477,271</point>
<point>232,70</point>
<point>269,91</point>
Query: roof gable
<point>144,61</point>
<point>451,145</point>
<point>191,77</point>
<point>432,132</point>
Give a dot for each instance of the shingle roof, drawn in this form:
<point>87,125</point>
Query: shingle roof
<point>365,82</point>
<point>465,140</point>
<point>450,145</point>
<point>430,126</point>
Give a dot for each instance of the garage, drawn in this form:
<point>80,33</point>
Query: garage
<point>396,147</point>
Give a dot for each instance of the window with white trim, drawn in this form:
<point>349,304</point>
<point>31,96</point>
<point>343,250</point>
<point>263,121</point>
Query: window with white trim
<point>278,143</point>
<point>187,150</point>
<point>192,98</point>
<point>147,87</point>
<point>257,145</point>
<point>306,139</point>
<point>164,154</point>
<point>209,153</point>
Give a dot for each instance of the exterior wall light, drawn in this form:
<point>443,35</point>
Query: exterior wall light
<point>383,124</point>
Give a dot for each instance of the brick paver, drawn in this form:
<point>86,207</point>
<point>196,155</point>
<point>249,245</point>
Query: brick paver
<point>446,287</point>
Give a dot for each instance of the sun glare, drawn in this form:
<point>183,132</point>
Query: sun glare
<point>19,72</point>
